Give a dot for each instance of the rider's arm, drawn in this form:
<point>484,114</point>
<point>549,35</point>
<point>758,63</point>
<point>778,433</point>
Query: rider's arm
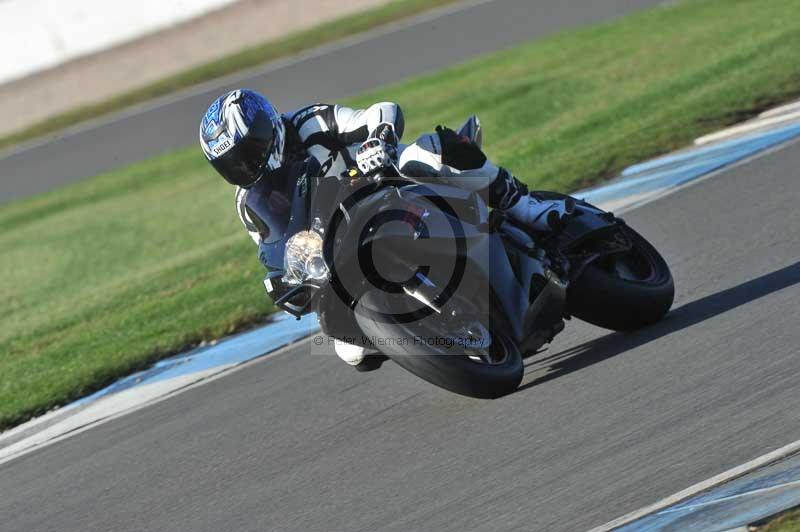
<point>247,221</point>
<point>316,124</point>
<point>357,125</point>
<point>241,210</point>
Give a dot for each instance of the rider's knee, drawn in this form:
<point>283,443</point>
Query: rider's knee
<point>422,157</point>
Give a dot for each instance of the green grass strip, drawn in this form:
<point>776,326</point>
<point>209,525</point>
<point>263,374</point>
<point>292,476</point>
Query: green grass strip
<point>107,275</point>
<point>786,522</point>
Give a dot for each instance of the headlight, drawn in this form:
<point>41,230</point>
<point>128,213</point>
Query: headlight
<point>303,259</point>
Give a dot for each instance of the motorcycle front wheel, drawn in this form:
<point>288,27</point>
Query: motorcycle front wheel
<point>456,350</point>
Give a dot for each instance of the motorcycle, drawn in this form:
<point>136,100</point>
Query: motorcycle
<point>447,289</point>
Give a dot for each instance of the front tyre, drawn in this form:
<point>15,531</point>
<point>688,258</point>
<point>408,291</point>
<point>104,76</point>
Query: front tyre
<point>625,291</point>
<point>492,367</point>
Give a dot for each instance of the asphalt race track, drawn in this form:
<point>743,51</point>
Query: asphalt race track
<point>604,423</point>
<point>423,47</point>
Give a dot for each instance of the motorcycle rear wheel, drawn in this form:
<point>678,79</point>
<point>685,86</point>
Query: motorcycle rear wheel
<point>626,291</point>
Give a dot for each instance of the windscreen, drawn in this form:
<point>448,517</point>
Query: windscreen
<point>278,211</point>
<point>269,204</point>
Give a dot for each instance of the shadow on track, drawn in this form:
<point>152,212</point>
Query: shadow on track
<point>584,355</point>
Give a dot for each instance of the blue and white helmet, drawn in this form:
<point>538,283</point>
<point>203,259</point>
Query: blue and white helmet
<point>243,137</point>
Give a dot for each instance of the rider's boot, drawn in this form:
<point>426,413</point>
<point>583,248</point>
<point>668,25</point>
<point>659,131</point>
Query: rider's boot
<point>361,358</point>
<point>541,214</point>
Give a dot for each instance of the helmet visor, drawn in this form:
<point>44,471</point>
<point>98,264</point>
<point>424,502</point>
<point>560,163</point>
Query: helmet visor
<point>246,162</point>
<point>243,164</point>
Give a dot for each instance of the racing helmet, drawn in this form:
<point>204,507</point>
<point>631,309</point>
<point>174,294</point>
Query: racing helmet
<point>243,137</point>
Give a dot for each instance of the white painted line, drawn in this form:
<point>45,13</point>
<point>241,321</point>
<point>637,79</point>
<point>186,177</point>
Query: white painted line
<point>119,405</point>
<point>722,478</point>
<point>231,79</point>
<point>783,109</point>
<point>759,491</point>
<point>624,207</point>
<point>633,202</point>
<point>28,425</point>
<point>104,409</point>
<point>747,127</point>
<point>102,412</point>
<point>622,204</point>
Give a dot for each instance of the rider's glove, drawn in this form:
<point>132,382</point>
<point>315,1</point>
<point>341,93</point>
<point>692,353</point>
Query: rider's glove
<point>385,132</point>
<point>373,157</point>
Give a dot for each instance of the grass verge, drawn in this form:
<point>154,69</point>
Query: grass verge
<point>251,57</point>
<point>786,522</point>
<point>104,276</point>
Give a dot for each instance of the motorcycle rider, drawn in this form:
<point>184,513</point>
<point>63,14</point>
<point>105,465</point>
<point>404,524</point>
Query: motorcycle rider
<point>247,141</point>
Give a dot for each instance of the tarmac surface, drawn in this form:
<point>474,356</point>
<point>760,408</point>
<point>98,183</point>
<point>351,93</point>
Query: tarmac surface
<point>604,423</point>
<point>381,57</point>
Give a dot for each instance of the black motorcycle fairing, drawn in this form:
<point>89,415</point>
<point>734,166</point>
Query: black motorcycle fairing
<point>355,232</point>
<point>436,212</point>
<point>525,274</point>
<point>269,205</point>
<point>543,319</point>
<point>279,206</point>
<point>511,287</point>
<point>336,317</point>
<point>529,296</point>
<point>278,219</point>
<point>584,225</point>
<point>587,223</point>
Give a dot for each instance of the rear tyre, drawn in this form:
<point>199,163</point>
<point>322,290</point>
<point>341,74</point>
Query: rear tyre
<point>626,291</point>
<point>483,371</point>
